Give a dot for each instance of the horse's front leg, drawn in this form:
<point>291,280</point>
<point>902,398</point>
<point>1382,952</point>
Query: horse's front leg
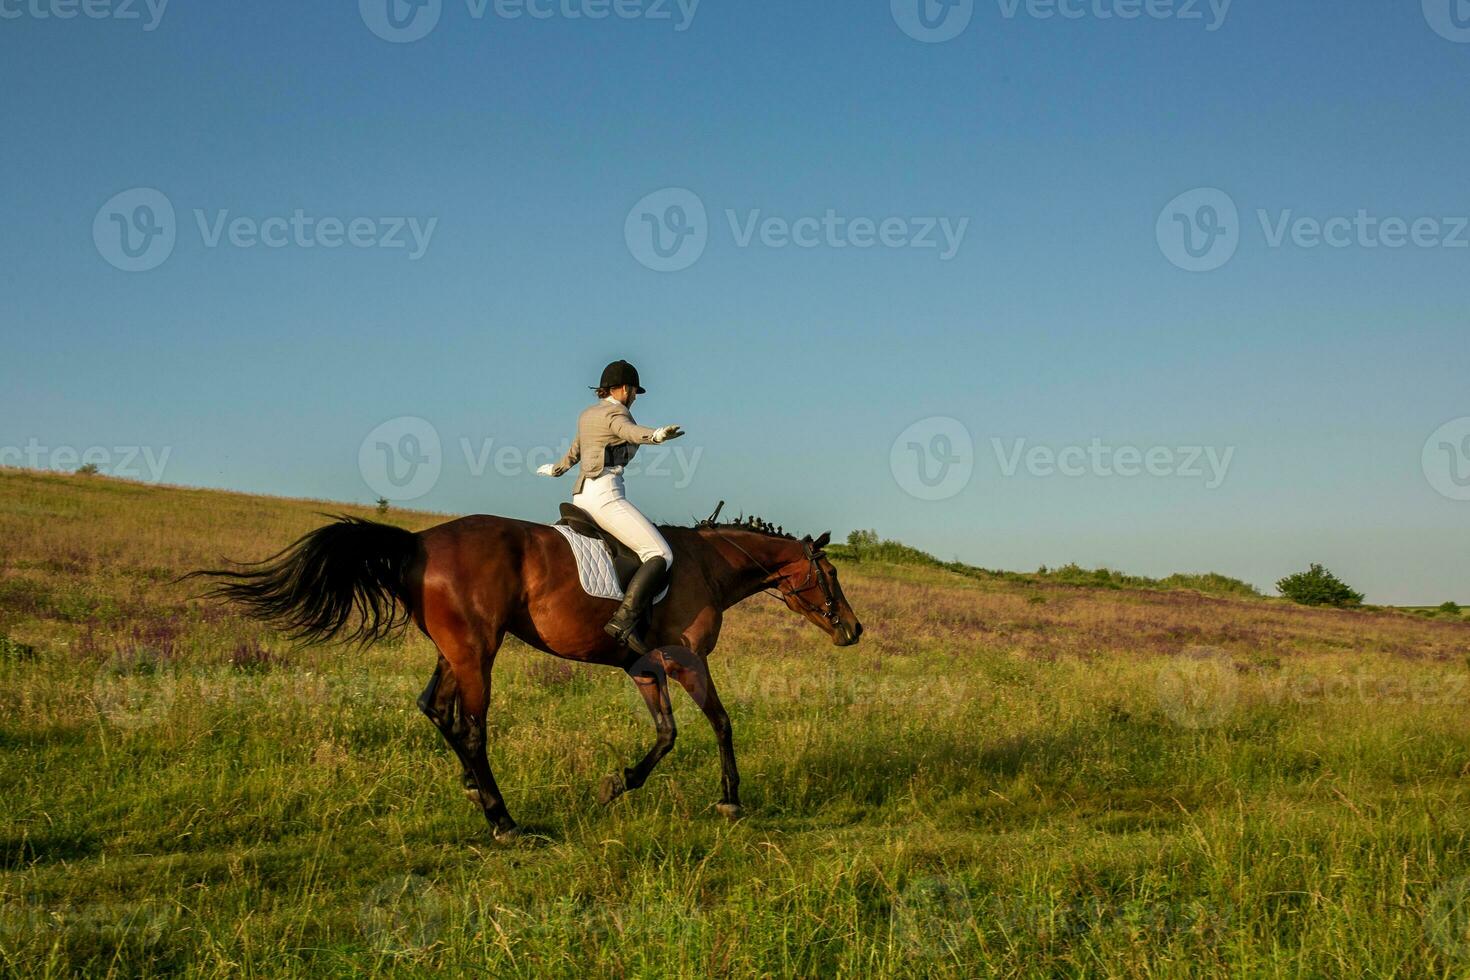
<point>692,672</point>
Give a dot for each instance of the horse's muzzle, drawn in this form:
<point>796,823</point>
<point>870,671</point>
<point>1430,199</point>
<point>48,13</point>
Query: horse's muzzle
<point>846,636</point>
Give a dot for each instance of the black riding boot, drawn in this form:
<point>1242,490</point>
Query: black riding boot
<point>646,583</point>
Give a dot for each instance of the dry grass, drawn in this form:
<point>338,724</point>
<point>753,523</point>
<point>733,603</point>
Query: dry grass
<point>1002,778</point>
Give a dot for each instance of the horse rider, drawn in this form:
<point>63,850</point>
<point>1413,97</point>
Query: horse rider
<point>607,437</point>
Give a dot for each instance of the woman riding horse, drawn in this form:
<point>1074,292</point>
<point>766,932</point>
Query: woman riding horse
<point>607,437</point>
<point>469,583</point>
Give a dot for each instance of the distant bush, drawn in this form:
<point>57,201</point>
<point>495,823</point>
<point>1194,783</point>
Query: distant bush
<point>1211,582</point>
<point>382,505</point>
<point>866,545</point>
<point>1318,587</point>
<point>87,469</point>
<point>1452,608</point>
<point>1103,578</point>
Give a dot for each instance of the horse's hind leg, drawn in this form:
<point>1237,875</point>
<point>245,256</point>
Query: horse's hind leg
<point>440,702</point>
<point>652,681</point>
<point>457,700</point>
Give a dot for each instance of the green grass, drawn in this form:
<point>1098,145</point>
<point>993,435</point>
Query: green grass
<point>1003,778</point>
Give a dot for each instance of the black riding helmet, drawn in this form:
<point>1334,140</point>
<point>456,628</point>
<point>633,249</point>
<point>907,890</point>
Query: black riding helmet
<point>620,373</point>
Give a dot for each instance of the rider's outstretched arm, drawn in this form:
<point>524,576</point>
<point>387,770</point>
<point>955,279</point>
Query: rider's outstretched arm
<point>621,424</point>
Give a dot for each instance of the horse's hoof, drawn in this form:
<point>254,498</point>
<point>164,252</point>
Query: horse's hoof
<point>730,811</point>
<point>612,787</point>
<point>507,835</point>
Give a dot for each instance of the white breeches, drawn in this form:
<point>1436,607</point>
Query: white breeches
<point>603,498</point>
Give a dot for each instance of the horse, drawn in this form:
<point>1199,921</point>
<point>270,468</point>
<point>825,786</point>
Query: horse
<point>468,582</point>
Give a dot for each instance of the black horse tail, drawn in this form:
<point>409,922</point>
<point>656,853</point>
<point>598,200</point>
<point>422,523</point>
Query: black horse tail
<point>347,580</point>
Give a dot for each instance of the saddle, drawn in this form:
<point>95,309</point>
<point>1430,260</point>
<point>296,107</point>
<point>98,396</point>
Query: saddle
<point>625,560</point>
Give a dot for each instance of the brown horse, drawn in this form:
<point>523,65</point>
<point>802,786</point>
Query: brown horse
<point>469,582</point>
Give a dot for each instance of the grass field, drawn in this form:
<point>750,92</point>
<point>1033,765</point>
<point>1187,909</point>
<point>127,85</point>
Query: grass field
<point>1005,777</point>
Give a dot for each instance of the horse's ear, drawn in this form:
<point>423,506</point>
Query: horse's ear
<point>822,541</point>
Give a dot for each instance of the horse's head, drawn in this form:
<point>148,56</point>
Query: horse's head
<point>808,583</point>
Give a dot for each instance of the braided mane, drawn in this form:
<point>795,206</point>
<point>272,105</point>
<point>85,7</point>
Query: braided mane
<point>743,523</point>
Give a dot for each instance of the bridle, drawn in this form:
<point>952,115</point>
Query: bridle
<point>814,571</point>
<point>829,598</point>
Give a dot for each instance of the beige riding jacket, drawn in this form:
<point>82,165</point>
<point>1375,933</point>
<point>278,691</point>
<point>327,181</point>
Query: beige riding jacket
<point>606,436</point>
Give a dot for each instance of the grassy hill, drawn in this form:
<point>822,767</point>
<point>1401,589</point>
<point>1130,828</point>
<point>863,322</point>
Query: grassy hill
<point>1010,774</point>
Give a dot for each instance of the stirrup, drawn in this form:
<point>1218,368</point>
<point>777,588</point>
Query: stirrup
<point>629,639</point>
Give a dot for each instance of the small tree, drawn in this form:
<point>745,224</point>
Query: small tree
<point>382,505</point>
<point>87,469</point>
<point>1451,608</point>
<point>1318,587</point>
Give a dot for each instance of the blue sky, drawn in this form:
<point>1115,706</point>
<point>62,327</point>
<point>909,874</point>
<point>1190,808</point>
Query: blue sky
<point>530,151</point>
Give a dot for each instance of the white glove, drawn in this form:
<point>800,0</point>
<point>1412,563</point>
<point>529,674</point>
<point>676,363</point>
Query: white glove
<point>545,469</point>
<point>666,433</point>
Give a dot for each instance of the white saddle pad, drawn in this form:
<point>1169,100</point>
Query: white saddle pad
<point>595,566</point>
